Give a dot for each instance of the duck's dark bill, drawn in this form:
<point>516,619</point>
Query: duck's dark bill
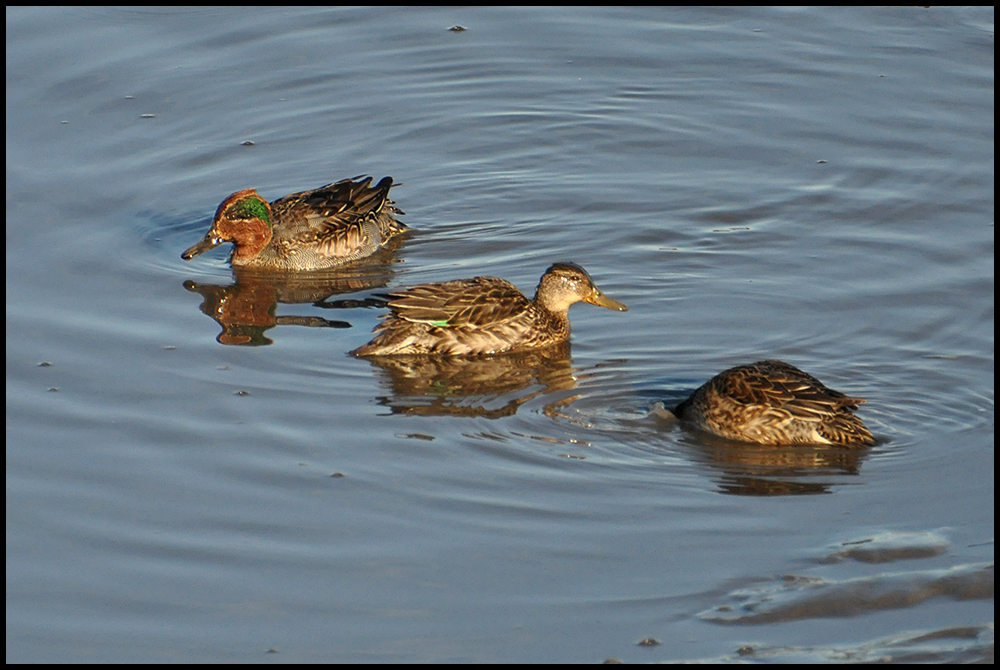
<point>207,242</point>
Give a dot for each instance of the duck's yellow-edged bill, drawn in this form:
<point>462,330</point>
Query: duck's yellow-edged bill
<point>601,300</point>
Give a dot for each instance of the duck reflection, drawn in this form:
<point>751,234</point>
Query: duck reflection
<point>743,468</point>
<point>486,386</point>
<point>247,308</point>
<point>760,470</point>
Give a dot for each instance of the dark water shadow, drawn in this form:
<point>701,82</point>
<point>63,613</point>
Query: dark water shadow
<point>247,308</point>
<point>756,470</point>
<point>749,469</point>
<point>486,386</point>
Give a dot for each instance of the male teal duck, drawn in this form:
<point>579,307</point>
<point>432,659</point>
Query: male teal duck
<point>774,403</point>
<point>328,227</point>
<point>483,316</point>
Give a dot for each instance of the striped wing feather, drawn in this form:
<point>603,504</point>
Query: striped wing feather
<point>780,386</point>
<point>348,215</point>
<point>481,302</point>
<point>772,402</point>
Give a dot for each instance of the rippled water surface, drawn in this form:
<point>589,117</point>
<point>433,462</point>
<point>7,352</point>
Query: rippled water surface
<point>196,470</point>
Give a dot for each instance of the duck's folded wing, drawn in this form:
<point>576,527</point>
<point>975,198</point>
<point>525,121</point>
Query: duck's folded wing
<point>473,303</point>
<point>783,387</point>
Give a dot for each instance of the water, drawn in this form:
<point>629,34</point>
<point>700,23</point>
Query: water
<point>812,185</point>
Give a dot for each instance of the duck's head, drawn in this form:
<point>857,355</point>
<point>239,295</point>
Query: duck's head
<point>244,218</point>
<point>566,283</point>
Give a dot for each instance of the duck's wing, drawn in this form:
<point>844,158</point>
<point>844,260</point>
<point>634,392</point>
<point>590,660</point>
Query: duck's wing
<point>476,303</point>
<point>784,388</point>
<point>346,215</point>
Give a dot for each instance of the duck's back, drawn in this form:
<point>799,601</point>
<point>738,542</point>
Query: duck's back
<point>334,224</point>
<point>772,402</point>
<point>478,316</point>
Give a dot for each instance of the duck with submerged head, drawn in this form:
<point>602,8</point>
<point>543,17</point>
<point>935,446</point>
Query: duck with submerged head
<point>774,403</point>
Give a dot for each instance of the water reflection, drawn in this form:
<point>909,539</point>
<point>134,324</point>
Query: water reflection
<point>488,386</point>
<point>247,308</point>
<point>747,468</point>
<point>759,470</point>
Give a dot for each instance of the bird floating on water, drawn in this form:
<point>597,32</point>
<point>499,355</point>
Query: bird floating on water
<point>774,403</point>
<point>328,227</point>
<point>483,315</point>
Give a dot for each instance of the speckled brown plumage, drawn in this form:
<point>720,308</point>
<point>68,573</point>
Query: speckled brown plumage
<point>327,227</point>
<point>771,402</point>
<point>483,315</point>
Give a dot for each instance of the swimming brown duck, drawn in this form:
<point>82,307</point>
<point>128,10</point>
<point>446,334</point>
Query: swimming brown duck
<point>483,315</point>
<point>324,228</point>
<point>774,403</point>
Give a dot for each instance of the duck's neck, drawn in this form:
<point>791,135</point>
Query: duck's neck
<point>556,311</point>
<point>250,239</point>
<point>557,303</point>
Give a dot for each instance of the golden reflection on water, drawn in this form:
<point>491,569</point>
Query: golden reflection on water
<point>486,386</point>
<point>750,469</point>
<point>759,470</point>
<point>247,308</point>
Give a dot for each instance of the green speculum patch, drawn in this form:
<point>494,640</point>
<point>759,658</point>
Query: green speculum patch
<point>249,208</point>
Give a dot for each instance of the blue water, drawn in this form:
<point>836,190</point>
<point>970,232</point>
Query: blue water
<point>812,185</point>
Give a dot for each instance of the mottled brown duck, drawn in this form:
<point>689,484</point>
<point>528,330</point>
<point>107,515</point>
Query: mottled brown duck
<point>328,227</point>
<point>483,316</point>
<point>774,403</point>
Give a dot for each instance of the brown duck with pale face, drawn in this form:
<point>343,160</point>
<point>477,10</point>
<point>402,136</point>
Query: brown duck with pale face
<point>325,228</point>
<point>483,316</point>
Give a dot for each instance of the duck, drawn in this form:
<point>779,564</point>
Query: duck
<point>483,316</point>
<point>774,403</point>
<point>324,228</point>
